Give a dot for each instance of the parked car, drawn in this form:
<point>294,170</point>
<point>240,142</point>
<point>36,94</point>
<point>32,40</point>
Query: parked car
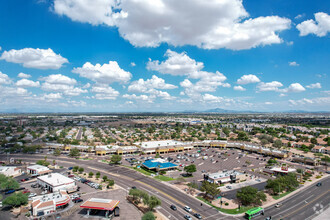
<point>187,208</point>
<point>10,191</point>
<point>26,191</point>
<point>32,195</point>
<point>198,216</point>
<point>187,217</point>
<point>319,184</point>
<point>173,207</point>
<point>70,168</point>
<point>78,200</point>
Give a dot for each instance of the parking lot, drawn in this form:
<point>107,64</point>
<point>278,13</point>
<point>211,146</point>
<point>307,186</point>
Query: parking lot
<point>207,160</point>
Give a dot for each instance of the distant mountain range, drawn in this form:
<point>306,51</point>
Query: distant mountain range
<point>220,110</point>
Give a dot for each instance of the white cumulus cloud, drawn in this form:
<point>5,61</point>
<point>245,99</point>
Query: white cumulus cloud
<point>106,73</point>
<point>27,83</point>
<point>320,26</point>
<point>104,91</point>
<point>293,63</point>
<point>205,24</point>
<point>24,76</point>
<point>239,88</point>
<point>270,86</point>
<point>147,86</point>
<point>246,79</point>
<point>314,86</point>
<point>4,78</point>
<point>35,58</point>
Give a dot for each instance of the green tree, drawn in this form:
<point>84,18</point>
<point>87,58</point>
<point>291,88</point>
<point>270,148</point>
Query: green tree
<point>90,174</point>
<point>313,141</point>
<point>153,202</point>
<point>210,189</point>
<point>277,143</point>
<point>111,183</point>
<point>16,199</point>
<point>97,175</point>
<point>190,169</point>
<point>75,169</point>
<point>57,152</point>
<point>43,163</point>
<point>148,216</point>
<point>74,152</point>
<point>104,178</point>
<point>226,131</point>
<point>81,169</point>
<point>115,159</point>
<point>8,183</point>
<point>283,183</point>
<point>250,196</point>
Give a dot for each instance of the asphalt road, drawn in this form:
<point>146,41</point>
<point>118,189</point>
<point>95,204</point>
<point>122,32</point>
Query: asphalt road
<point>302,205</point>
<point>79,134</point>
<point>127,178</point>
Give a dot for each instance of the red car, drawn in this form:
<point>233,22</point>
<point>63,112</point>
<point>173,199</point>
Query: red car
<point>26,191</point>
<point>22,180</point>
<point>71,175</point>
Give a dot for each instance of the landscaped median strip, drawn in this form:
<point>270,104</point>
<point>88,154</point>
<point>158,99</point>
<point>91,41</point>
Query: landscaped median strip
<point>227,211</point>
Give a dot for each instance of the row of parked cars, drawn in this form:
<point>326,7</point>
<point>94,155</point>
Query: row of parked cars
<point>87,182</point>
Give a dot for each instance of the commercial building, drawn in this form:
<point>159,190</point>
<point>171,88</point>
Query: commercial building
<point>109,206</point>
<point>56,182</point>
<point>158,164</point>
<point>49,203</point>
<point>225,177</point>
<point>38,170</point>
<point>282,170</point>
<point>10,171</point>
<point>162,147</point>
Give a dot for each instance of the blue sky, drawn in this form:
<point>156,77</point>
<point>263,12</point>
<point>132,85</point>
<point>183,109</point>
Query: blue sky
<point>164,55</point>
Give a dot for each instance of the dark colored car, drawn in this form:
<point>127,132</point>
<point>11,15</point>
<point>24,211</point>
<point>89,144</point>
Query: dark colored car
<point>133,187</point>
<point>319,184</point>
<point>76,200</point>
<point>70,168</point>
<point>173,207</point>
<point>20,189</point>
<point>10,191</point>
<point>198,216</point>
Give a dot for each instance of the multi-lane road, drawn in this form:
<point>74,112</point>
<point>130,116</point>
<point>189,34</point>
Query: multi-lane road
<point>303,204</point>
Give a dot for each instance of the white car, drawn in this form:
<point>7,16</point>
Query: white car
<point>187,208</point>
<point>32,195</point>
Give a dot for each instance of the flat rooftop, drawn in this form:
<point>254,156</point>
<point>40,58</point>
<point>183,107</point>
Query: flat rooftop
<point>223,174</point>
<point>155,144</point>
<point>55,179</point>
<point>38,167</point>
<point>100,204</point>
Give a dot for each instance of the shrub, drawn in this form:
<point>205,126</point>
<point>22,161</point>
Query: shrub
<point>226,204</point>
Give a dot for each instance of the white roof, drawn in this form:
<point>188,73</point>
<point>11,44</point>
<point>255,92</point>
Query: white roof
<point>3,169</point>
<point>38,167</point>
<point>279,169</point>
<point>55,179</point>
<point>223,174</point>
